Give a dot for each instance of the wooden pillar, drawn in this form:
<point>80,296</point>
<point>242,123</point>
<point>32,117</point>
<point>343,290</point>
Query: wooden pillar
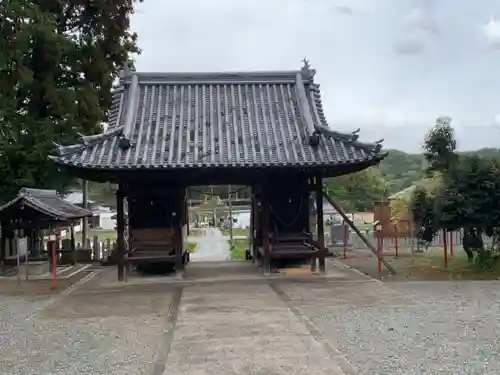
<point>266,261</point>
<point>3,247</point>
<point>320,224</point>
<point>120,229</point>
<point>11,243</point>
<point>252,228</point>
<point>178,236</point>
<point>186,216</point>
<point>73,246</point>
<point>314,258</point>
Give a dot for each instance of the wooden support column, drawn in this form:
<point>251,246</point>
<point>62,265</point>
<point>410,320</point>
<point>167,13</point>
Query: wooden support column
<point>320,224</point>
<point>252,228</point>
<point>314,258</point>
<point>3,247</point>
<point>120,235</point>
<point>178,237</point>
<point>266,261</point>
<point>73,246</point>
<point>358,232</point>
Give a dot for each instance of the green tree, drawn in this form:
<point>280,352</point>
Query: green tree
<point>358,191</point>
<point>468,198</point>
<point>58,60</point>
<point>440,146</point>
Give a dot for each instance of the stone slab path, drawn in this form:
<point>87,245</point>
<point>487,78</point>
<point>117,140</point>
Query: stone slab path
<point>243,329</point>
<point>212,247</point>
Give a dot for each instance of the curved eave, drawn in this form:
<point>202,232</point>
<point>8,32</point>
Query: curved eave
<point>374,159</point>
<point>321,124</point>
<point>44,209</point>
<point>87,141</point>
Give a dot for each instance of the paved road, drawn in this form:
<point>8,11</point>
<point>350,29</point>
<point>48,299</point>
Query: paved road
<point>212,247</point>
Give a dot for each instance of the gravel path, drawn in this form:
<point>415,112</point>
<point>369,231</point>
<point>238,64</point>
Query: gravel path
<point>87,333</point>
<point>212,247</point>
<point>381,329</point>
<point>409,328</point>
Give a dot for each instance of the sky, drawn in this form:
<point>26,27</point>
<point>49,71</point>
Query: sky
<point>389,67</point>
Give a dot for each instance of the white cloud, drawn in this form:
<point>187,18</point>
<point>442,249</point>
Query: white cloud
<point>413,43</point>
<point>491,32</point>
<point>344,10</point>
<point>421,19</point>
<point>363,83</point>
<point>418,29</point>
<point>496,120</point>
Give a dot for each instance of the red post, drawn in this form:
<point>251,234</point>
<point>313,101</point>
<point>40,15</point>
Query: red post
<point>345,240</point>
<point>396,240</point>
<point>451,244</point>
<point>54,265</point>
<point>445,247</point>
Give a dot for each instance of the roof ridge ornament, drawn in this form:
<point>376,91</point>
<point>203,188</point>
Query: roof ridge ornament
<point>355,135</point>
<point>306,69</point>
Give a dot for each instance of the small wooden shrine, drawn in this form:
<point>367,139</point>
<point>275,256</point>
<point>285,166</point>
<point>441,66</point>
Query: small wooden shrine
<point>170,131</point>
<point>31,212</point>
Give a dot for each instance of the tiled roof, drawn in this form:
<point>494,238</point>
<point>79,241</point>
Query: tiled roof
<point>179,120</point>
<point>47,202</point>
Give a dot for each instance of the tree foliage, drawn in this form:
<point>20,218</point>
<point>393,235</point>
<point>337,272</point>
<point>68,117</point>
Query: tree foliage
<point>356,192</point>
<point>468,198</point>
<point>58,60</point>
<point>440,146</point>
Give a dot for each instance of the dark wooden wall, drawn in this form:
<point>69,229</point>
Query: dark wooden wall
<point>289,208</point>
<point>156,216</point>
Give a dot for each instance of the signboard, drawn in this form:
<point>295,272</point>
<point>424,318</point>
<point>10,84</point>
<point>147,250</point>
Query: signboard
<point>22,246</point>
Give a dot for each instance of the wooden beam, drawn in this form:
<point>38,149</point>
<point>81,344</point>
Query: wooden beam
<point>3,247</point>
<point>252,229</point>
<point>320,240</point>
<point>357,231</point>
<point>120,237</point>
<point>73,247</point>
<point>178,237</point>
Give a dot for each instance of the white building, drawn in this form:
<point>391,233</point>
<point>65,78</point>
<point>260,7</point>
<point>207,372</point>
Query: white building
<point>103,217</point>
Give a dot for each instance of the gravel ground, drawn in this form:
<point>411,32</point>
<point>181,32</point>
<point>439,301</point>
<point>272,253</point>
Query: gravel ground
<point>15,324</point>
<point>409,328</point>
<point>84,333</point>
<point>382,329</point>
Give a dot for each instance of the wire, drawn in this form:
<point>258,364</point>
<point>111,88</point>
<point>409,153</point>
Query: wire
<point>214,194</point>
<point>297,216</point>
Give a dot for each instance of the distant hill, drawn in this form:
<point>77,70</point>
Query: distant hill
<point>400,169</point>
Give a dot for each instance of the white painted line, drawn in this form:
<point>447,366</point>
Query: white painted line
<point>66,292</point>
<point>78,270</point>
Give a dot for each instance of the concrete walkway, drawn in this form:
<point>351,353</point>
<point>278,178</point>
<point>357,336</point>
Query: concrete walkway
<point>243,329</point>
<point>212,247</point>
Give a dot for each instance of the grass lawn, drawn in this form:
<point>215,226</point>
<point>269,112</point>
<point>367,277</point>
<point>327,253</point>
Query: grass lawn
<point>192,246</point>
<point>237,232</point>
<point>421,266</point>
<point>239,248</point>
<point>102,234</point>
